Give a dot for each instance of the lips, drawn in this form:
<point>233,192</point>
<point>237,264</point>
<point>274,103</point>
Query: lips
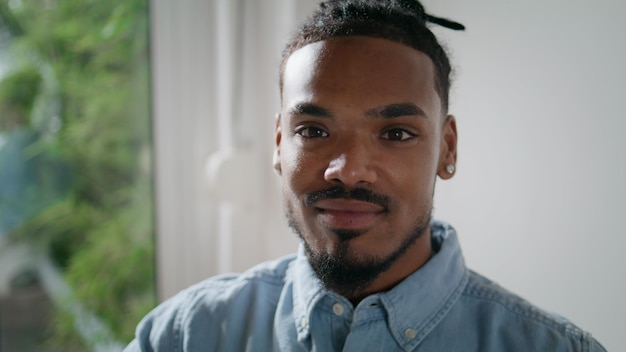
<point>348,214</point>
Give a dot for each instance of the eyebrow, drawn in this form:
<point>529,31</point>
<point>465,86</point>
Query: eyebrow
<point>396,110</point>
<point>386,111</point>
<point>310,109</point>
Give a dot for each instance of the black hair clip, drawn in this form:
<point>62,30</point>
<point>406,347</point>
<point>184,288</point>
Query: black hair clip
<point>417,8</point>
<point>445,22</point>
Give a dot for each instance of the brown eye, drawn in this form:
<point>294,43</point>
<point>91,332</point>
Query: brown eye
<point>311,132</point>
<point>398,134</point>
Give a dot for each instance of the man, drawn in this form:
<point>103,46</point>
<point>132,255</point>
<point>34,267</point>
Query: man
<point>362,135</point>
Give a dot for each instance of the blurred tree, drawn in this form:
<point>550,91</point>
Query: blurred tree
<point>17,97</point>
<point>91,57</point>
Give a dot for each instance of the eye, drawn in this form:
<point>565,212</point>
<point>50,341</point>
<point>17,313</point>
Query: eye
<point>398,134</point>
<point>311,132</point>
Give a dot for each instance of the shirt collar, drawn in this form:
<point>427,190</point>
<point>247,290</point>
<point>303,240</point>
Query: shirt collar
<point>414,306</point>
<point>418,303</point>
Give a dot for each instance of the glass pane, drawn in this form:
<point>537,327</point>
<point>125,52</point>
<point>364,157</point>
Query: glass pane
<point>76,207</point>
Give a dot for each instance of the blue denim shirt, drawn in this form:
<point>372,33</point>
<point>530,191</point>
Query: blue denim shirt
<point>282,306</point>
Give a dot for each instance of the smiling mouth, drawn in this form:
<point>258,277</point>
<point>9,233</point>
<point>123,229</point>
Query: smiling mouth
<point>348,214</point>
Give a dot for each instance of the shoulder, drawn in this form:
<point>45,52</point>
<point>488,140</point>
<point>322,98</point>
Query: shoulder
<point>209,303</point>
<point>515,319</point>
<point>218,292</point>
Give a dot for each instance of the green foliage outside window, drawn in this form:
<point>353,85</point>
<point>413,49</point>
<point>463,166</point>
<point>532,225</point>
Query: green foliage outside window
<point>78,88</point>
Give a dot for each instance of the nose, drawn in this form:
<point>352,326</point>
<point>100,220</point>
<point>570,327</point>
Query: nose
<point>352,165</point>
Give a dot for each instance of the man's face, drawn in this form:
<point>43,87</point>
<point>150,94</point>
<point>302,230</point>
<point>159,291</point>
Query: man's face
<point>359,142</point>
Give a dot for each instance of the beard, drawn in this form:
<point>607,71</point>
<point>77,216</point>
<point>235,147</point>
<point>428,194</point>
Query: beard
<point>342,270</point>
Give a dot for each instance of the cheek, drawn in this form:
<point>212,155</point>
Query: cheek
<point>412,177</point>
<point>289,158</point>
<point>412,184</point>
<point>292,168</point>
<point>300,169</point>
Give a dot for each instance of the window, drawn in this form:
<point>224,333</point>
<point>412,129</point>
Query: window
<point>76,205</point>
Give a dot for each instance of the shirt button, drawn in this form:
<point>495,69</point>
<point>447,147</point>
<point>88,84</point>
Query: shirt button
<point>304,322</point>
<point>338,309</point>
<point>410,333</point>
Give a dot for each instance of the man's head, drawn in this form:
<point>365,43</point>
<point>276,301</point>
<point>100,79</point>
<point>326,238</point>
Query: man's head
<point>362,135</point>
<point>402,21</point>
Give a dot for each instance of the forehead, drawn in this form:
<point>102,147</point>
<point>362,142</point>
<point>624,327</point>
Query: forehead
<point>364,70</point>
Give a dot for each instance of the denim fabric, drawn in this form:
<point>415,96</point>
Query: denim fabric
<point>281,306</point>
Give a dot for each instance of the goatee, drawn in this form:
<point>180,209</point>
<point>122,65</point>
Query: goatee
<point>343,271</point>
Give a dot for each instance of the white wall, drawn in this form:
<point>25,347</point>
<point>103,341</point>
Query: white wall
<point>539,100</point>
<point>539,103</point>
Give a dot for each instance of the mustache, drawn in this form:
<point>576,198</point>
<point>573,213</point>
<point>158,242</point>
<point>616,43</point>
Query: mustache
<point>341,192</point>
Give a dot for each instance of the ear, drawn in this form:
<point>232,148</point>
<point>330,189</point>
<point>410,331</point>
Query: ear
<point>447,156</point>
<point>277,138</point>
